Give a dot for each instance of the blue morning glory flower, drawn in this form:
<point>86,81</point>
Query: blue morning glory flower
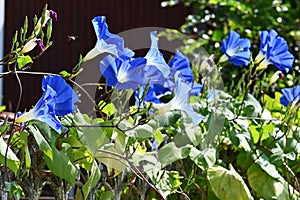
<point>156,69</point>
<point>274,50</point>
<point>123,74</point>
<point>236,50</point>
<point>180,101</point>
<point>65,95</point>
<point>58,99</point>
<point>107,42</point>
<point>290,95</point>
<point>180,62</point>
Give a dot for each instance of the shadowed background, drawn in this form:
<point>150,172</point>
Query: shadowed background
<point>74,19</point>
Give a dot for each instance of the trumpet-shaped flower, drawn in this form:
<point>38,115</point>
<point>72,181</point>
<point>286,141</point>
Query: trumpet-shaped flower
<point>180,101</point>
<point>274,50</point>
<point>290,95</point>
<point>58,99</point>
<point>157,70</point>
<point>181,63</point>
<point>65,95</point>
<point>123,74</point>
<point>107,42</point>
<point>236,50</point>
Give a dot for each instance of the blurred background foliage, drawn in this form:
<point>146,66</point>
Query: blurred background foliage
<point>212,20</point>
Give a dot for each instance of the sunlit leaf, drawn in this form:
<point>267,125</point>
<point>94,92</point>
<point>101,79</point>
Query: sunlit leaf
<point>170,153</point>
<point>23,61</point>
<point>265,185</point>
<point>227,184</point>
<point>115,164</point>
<point>166,182</point>
<point>93,179</point>
<point>203,159</point>
<point>12,160</point>
<point>57,161</point>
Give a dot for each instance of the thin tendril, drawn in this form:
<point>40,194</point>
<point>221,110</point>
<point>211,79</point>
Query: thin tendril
<point>84,91</point>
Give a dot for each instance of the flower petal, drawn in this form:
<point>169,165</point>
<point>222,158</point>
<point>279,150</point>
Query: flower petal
<point>181,63</point>
<point>236,49</point>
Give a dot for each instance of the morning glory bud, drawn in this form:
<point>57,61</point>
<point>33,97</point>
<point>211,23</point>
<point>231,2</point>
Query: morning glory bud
<point>276,76</point>
<point>31,44</point>
<point>49,14</point>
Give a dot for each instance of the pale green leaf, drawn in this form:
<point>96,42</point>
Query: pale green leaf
<point>171,153</point>
<point>146,162</point>
<point>251,101</point>
<point>203,159</point>
<point>143,131</point>
<point>57,161</point>
<point>12,160</point>
<point>227,184</point>
<point>269,168</point>
<point>265,185</point>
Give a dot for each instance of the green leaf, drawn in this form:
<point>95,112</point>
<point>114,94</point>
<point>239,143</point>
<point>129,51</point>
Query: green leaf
<point>255,133</point>
<point>109,109</point>
<point>227,184</point>
<point>158,136</point>
<point>12,160</point>
<point>143,131</point>
<point>244,159</point>
<point>112,161</point>
<point>81,154</point>
<point>102,194</point>
<point>260,133</point>
<point>49,134</point>
<point>24,138</point>
<point>215,124</point>
<point>265,185</point>
<point>240,136</point>
<point>203,159</point>
<point>92,135</point>
<point>145,162</point>
<point>57,161</point>
<point>170,153</point>
<point>93,179</point>
<point>263,162</point>
<point>267,131</point>
<point>255,109</point>
<point>23,61</point>
<point>167,118</point>
<point>65,74</point>
<point>167,182</point>
<point>273,105</point>
<point>14,189</point>
<point>188,134</point>
<point>94,138</point>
